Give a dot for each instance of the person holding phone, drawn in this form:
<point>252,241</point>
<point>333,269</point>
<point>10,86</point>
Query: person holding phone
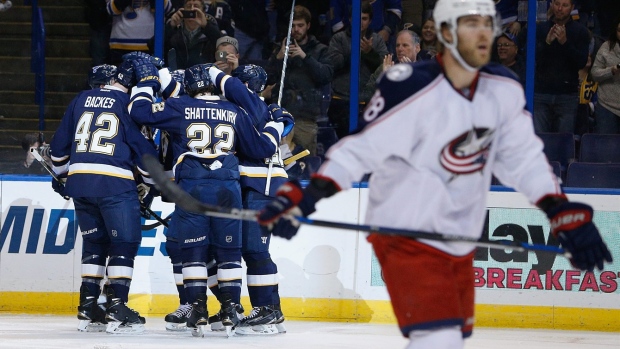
<point>227,54</point>
<point>190,36</point>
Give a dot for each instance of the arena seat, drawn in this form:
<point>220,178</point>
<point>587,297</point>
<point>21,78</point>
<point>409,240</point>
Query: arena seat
<point>593,175</point>
<point>600,148</point>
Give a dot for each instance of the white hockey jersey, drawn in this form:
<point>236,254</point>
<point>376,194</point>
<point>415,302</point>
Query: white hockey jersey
<point>432,150</point>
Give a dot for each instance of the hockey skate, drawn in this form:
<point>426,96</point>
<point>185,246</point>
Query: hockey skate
<point>121,318</point>
<point>266,320</point>
<point>216,321</point>
<point>90,314</point>
<point>228,316</point>
<point>176,321</point>
<point>198,317</point>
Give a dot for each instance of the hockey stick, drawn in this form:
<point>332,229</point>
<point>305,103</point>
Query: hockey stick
<point>40,160</point>
<point>296,157</point>
<point>190,204</point>
<point>161,221</point>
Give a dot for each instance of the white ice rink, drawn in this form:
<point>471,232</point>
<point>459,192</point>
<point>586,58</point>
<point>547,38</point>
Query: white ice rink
<point>31,331</point>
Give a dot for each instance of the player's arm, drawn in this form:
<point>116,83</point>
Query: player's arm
<point>141,107</point>
<point>347,161</point>
<point>255,143</point>
<point>236,91</point>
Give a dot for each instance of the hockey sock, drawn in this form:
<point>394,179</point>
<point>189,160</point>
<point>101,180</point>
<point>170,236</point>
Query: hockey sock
<point>93,266</point>
<point>444,338</point>
<point>229,273</point>
<point>120,268</point>
<point>262,279</point>
<point>194,272</point>
<point>174,252</point>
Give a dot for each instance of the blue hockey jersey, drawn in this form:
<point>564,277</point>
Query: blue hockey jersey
<point>205,127</point>
<point>253,171</point>
<point>99,144</point>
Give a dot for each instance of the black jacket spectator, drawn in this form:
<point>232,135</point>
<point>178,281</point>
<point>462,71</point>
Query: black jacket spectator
<point>192,48</point>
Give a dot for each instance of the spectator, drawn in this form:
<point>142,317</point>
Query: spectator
<point>508,55</point>
<point>220,10</point>
<point>508,11</point>
<point>192,38</point>
<point>429,41</point>
<point>251,28</point>
<point>227,54</point>
<point>319,9</point>
<point>373,50</point>
<point>561,50</point>
<point>308,71</point>
<point>606,70</point>
<point>100,25</point>
<point>387,14</point>
<point>407,51</point>
<point>133,25</point>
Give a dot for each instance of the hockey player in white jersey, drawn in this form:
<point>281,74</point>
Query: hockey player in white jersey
<point>460,121</point>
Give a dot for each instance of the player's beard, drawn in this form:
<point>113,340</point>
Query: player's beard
<point>474,57</point>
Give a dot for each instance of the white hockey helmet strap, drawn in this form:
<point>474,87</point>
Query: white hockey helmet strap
<point>449,12</point>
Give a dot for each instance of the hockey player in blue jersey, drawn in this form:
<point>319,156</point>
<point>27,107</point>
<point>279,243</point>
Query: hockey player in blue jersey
<point>259,180</point>
<point>205,132</point>
<point>95,149</point>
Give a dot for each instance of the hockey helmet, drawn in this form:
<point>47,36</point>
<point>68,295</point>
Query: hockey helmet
<point>254,75</point>
<point>101,75</point>
<point>449,11</point>
<point>197,79</point>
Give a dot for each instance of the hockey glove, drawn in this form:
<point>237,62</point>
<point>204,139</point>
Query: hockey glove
<point>571,224</point>
<point>59,185</point>
<point>278,217</point>
<point>279,114</point>
<point>147,74</point>
<point>146,194</point>
<point>135,55</point>
<point>125,74</point>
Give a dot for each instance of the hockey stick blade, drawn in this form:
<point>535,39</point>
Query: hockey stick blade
<point>190,204</point>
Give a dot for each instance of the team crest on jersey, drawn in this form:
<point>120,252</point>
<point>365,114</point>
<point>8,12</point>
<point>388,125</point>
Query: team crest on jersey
<point>399,72</point>
<point>468,152</point>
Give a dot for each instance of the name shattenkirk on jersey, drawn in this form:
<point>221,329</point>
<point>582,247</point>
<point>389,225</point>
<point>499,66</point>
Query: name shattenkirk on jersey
<point>467,153</point>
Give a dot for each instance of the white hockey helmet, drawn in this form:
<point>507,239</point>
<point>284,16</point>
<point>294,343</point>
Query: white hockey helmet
<point>449,11</point>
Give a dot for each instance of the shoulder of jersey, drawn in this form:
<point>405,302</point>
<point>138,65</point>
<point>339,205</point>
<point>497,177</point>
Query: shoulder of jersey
<point>499,70</point>
<point>401,81</point>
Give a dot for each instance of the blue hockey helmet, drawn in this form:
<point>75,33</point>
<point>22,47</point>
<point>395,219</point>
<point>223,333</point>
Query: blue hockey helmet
<point>178,75</point>
<point>197,79</point>
<point>254,75</point>
<point>101,75</point>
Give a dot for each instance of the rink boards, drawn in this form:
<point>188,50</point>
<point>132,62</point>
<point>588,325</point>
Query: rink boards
<point>325,274</point>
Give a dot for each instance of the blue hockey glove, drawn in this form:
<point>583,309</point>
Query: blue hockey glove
<point>59,185</point>
<point>279,114</point>
<point>571,223</point>
<point>147,74</point>
<point>135,55</point>
<point>125,74</point>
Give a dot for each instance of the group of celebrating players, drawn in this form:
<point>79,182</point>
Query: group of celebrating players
<point>221,142</point>
<point>457,130</point>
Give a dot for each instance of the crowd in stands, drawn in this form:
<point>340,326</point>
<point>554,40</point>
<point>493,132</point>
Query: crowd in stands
<point>577,74</point>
